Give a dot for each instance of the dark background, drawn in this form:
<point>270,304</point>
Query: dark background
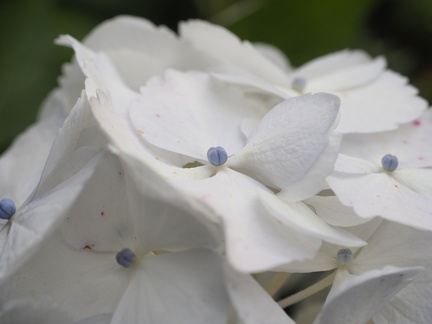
<point>30,63</point>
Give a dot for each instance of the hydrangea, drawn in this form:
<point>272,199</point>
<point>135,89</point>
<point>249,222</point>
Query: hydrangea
<point>168,169</point>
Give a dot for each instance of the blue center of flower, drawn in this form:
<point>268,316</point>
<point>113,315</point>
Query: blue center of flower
<point>217,155</point>
<point>344,257</point>
<point>299,84</point>
<point>126,257</point>
<point>7,208</point>
<point>389,162</point>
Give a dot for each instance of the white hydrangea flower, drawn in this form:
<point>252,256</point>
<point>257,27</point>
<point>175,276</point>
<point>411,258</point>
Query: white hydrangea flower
<point>177,118</point>
<point>191,161</point>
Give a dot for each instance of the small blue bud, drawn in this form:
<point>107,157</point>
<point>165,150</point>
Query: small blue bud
<point>217,155</point>
<point>389,162</point>
<point>299,84</point>
<point>344,257</point>
<point>126,257</point>
<point>7,208</point>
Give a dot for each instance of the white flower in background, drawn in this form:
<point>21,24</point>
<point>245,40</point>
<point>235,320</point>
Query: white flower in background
<point>372,98</point>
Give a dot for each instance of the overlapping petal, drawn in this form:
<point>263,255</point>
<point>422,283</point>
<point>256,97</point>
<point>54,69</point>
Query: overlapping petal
<point>355,299</point>
<point>289,140</point>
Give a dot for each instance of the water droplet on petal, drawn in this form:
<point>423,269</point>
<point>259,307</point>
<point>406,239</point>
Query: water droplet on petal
<point>344,257</point>
<point>389,162</point>
<point>217,155</point>
<point>299,84</point>
<point>7,208</point>
<point>126,257</point>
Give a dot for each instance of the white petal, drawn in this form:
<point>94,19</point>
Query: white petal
<point>411,143</point>
<point>226,47</point>
<point>22,311</point>
<point>140,50</point>
<point>381,194</point>
<point>345,78</point>
<point>288,140</point>
<point>324,260</point>
<point>100,218</point>
<point>31,225</point>
<point>419,180</point>
<point>100,72</point>
<point>299,216</point>
<point>380,105</point>
<point>188,113</point>
<point>67,137</point>
<point>355,299</point>
<point>122,141</point>
<point>255,240</point>
<point>96,319</point>
<point>255,84</point>
<point>274,54</point>
<point>22,164</point>
<point>352,165</point>
<point>82,282</point>
<point>162,216</point>
<point>397,245</point>
<point>71,85</point>
<point>331,62</point>
<point>182,288</point>
<point>252,304</point>
<point>330,210</point>
<point>314,180</point>
<point>411,305</point>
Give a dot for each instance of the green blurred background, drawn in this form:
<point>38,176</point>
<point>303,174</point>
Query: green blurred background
<point>30,63</point>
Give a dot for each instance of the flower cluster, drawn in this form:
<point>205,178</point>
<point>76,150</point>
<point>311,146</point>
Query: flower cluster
<point>166,170</point>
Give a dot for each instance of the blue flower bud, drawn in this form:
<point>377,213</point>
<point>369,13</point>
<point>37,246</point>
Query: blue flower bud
<point>7,208</point>
<point>126,258</point>
<point>299,84</point>
<point>217,155</point>
<point>389,162</point>
<point>344,257</point>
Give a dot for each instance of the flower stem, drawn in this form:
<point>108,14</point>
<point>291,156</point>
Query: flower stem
<point>309,291</point>
<point>276,282</point>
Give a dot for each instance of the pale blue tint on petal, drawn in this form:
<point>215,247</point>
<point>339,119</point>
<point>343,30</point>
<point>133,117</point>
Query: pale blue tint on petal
<point>299,84</point>
<point>389,162</point>
<point>126,257</point>
<point>7,208</point>
<point>217,155</point>
<point>344,257</point>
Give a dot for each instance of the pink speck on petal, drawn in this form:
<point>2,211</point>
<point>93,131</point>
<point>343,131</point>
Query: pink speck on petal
<point>421,158</point>
<point>417,122</point>
<point>396,186</point>
<point>157,115</point>
<point>204,197</point>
